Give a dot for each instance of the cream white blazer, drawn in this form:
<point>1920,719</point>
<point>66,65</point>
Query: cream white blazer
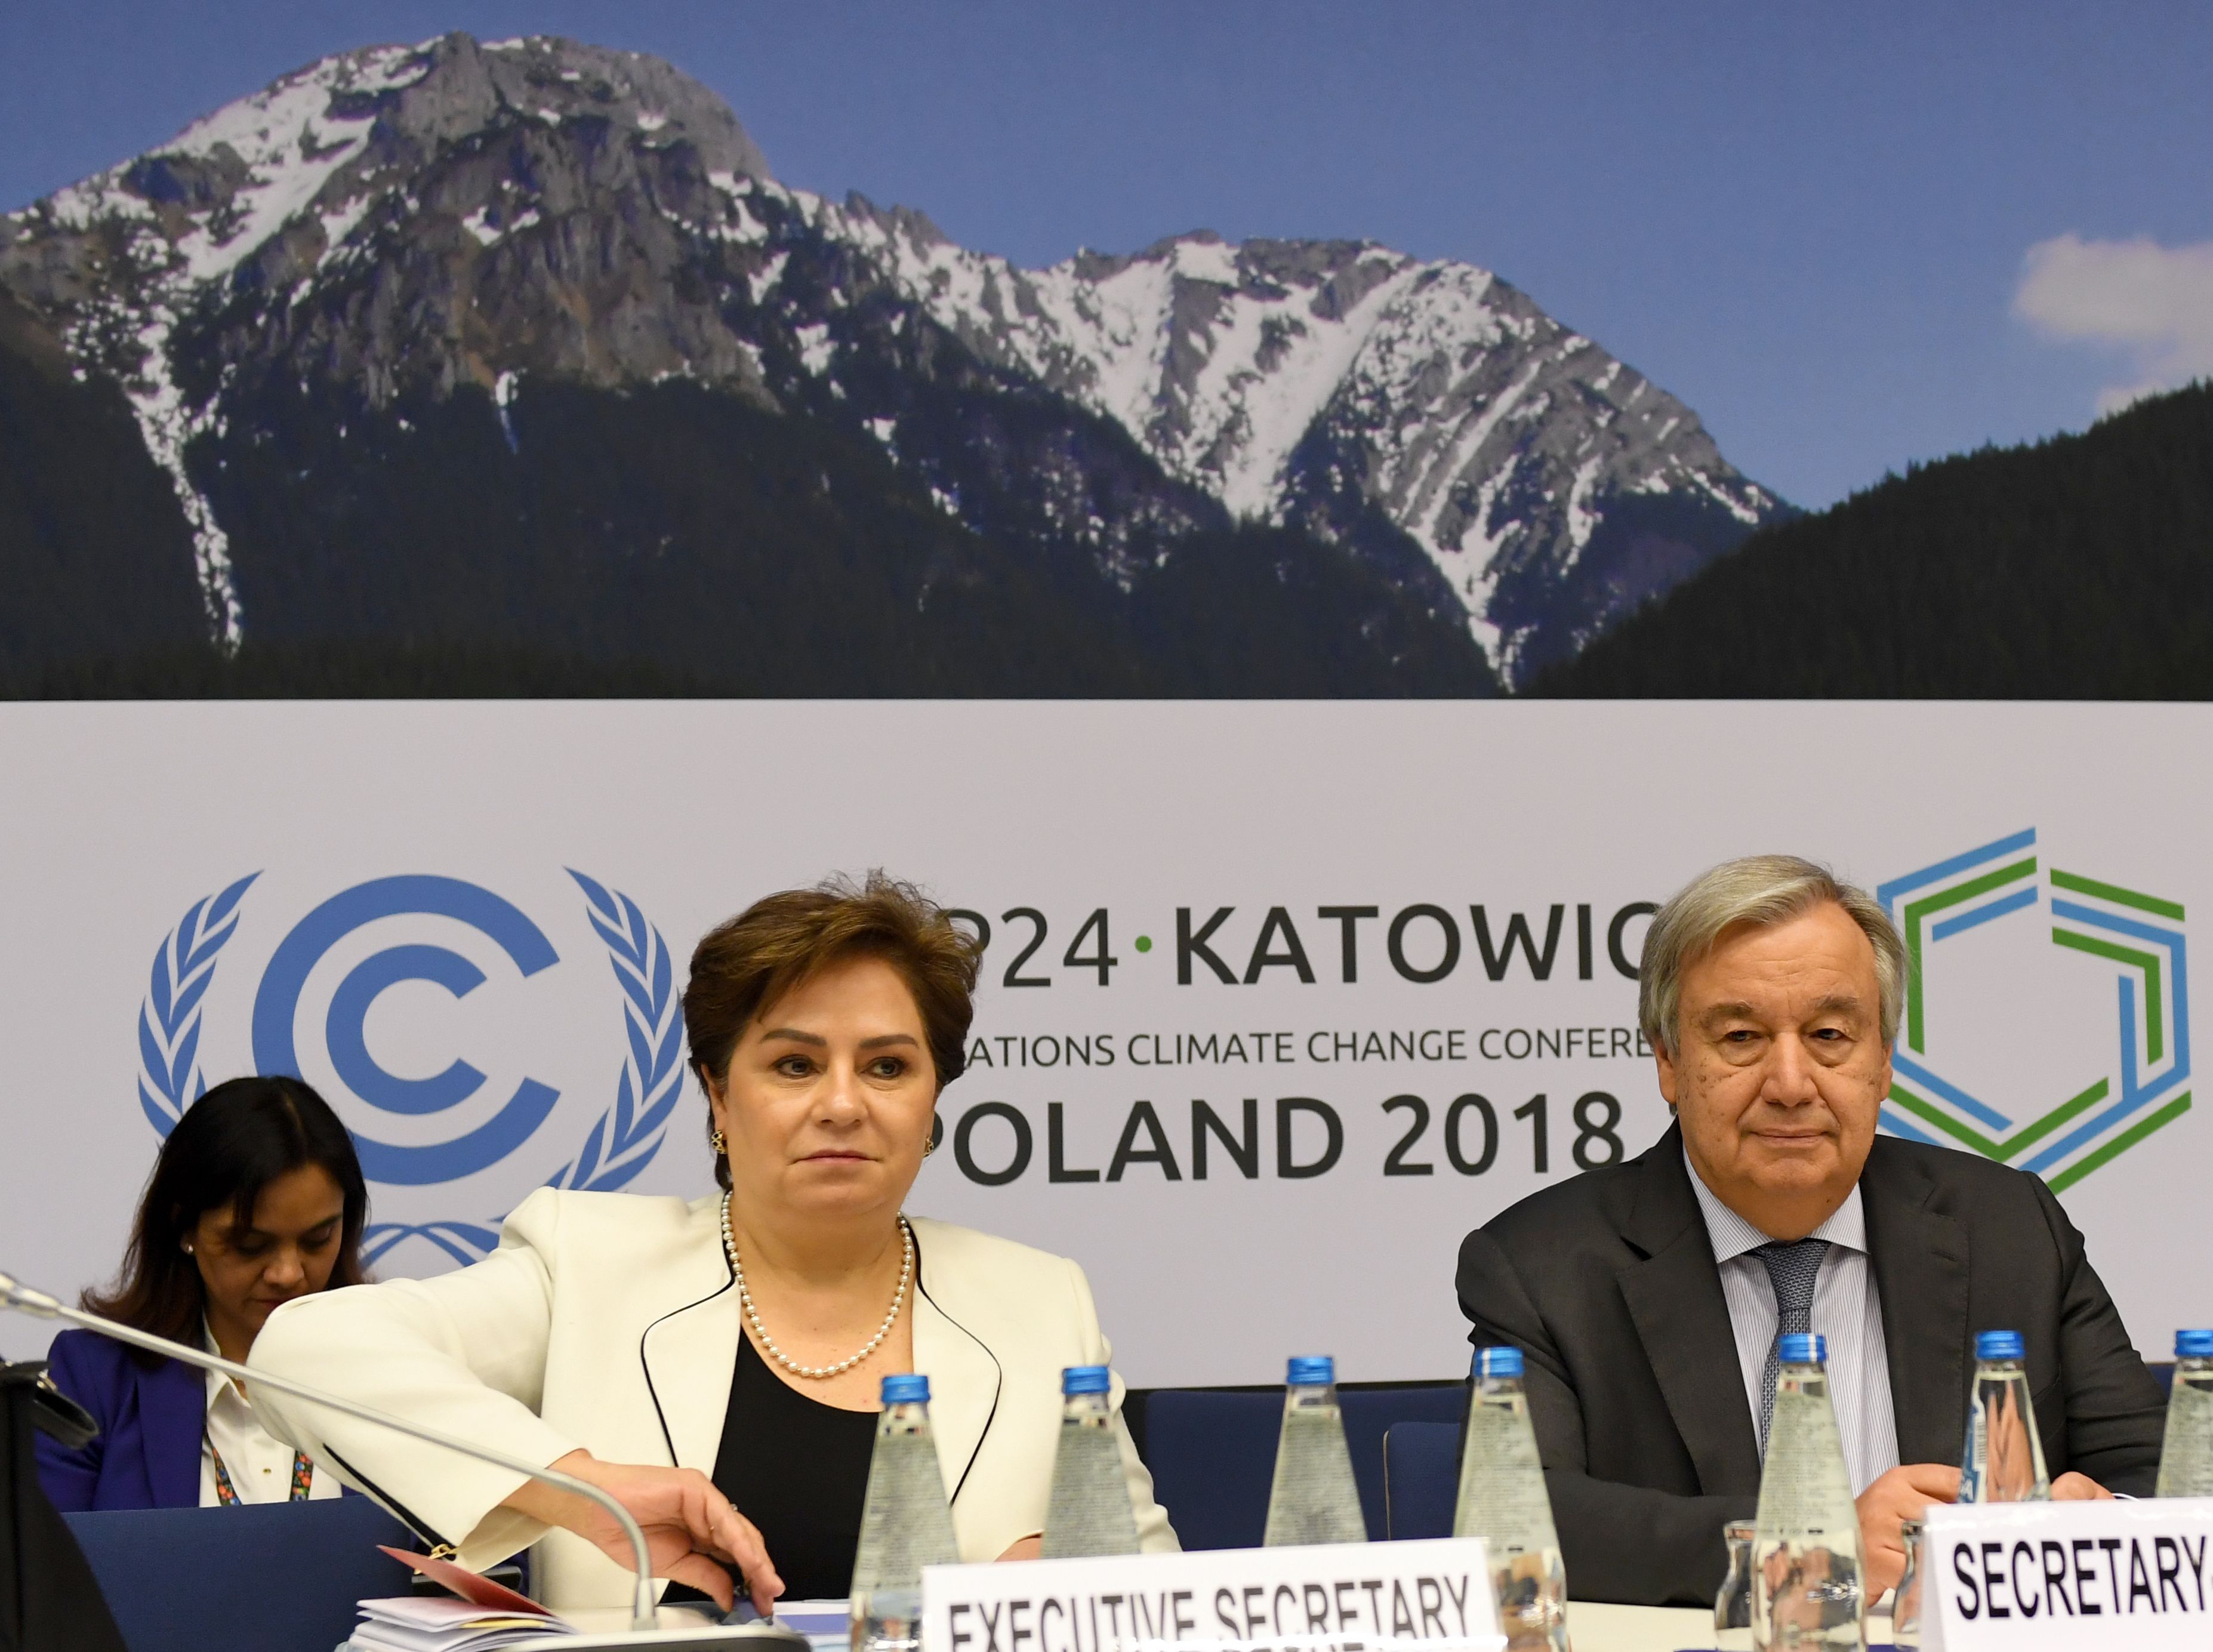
<point>610,1321</point>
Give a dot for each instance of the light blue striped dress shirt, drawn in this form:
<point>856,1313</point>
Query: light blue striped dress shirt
<point>1846,1310</point>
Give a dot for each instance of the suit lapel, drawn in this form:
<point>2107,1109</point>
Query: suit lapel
<point>964,1373</point>
<point>1920,1263</point>
<point>1675,1302</point>
<point>171,1418</point>
<point>691,1352</point>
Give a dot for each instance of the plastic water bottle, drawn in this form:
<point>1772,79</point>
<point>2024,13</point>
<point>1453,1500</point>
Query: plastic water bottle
<point>1088,1509</point>
<point>2004,1461</point>
<point>905,1523</point>
<point>2186,1461</point>
<point>1806,1555</point>
<point>1313,1498</point>
<point>1503,1500</point>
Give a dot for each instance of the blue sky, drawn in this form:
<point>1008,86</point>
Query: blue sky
<point>1814,224</point>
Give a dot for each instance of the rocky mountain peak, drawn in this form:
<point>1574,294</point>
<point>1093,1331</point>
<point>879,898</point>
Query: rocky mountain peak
<point>338,224</point>
<point>330,135</point>
<point>417,220</point>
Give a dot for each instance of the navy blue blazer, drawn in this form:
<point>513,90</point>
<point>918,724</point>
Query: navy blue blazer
<point>147,1455</point>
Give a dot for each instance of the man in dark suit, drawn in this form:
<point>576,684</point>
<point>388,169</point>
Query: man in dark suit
<point>1648,1296</point>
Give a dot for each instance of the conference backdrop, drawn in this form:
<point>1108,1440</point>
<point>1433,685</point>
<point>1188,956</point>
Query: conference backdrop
<point>1279,999</point>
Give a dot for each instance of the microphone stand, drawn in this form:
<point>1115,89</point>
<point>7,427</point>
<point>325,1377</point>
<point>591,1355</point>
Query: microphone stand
<point>643,1606</point>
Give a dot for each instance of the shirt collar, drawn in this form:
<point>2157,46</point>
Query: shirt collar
<point>1733,1236</point>
<point>218,1385</point>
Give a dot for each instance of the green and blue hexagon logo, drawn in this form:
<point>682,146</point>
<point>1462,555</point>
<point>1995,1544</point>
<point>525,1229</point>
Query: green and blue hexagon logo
<point>2047,1016</point>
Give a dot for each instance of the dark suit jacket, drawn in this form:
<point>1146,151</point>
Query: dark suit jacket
<point>147,1455</point>
<point>1608,1284</point>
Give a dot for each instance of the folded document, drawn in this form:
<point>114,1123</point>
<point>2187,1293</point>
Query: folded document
<point>417,1623</point>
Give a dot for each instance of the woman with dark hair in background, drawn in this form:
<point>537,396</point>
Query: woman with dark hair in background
<point>257,1198</point>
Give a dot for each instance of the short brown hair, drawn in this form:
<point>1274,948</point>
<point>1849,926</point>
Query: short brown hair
<point>744,965</point>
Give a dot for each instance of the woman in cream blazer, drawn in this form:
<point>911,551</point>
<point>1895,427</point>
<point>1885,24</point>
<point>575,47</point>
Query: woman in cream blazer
<point>711,1364</point>
<point>609,1321</point>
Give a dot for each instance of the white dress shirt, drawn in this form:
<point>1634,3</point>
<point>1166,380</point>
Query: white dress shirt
<point>259,1463</point>
<point>1846,1310</point>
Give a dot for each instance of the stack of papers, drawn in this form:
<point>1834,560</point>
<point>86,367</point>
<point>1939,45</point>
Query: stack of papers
<point>828,1624</point>
<point>426,1623</point>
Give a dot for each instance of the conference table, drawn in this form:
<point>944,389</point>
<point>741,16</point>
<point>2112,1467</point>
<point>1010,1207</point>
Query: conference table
<point>170,1573</point>
<point>1593,1626</point>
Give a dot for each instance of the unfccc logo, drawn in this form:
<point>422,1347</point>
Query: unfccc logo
<point>2017,912</point>
<point>618,1145</point>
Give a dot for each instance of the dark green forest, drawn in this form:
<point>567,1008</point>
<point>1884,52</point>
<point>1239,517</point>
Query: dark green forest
<point>95,559</point>
<point>676,540</point>
<point>667,541</point>
<point>2077,567</point>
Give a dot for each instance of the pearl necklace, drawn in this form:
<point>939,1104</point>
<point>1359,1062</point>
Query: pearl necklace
<point>760,1330</point>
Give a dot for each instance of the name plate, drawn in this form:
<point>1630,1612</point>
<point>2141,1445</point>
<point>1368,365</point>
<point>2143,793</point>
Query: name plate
<point>2027,1577</point>
<point>1434,1594</point>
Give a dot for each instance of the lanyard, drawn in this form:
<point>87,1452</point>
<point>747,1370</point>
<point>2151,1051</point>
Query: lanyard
<point>226,1495</point>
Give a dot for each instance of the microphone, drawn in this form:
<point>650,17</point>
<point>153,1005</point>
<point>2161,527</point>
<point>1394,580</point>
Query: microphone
<point>644,1609</point>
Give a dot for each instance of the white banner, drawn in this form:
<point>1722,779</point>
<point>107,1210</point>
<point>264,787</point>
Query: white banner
<point>1280,999</point>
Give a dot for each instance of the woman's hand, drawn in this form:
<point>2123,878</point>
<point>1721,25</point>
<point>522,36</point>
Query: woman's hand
<point>692,1532</point>
<point>1025,1548</point>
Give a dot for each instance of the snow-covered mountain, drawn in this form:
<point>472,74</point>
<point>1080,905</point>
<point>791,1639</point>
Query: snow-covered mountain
<point>1301,380</point>
<point>409,222</point>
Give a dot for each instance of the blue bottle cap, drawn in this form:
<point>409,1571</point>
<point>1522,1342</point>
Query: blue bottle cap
<point>1085,1379</point>
<point>1498,1361</point>
<point>1802,1348</point>
<point>907,1388</point>
<point>1311,1370</point>
<point>1998,1345</point>
<point>2193,1344</point>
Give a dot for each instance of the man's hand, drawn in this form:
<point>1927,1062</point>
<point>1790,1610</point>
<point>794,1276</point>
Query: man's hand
<point>1903,1494</point>
<point>692,1532</point>
<point>2071,1487</point>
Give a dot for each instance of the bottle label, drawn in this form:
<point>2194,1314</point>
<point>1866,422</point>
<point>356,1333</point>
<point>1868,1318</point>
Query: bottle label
<point>905,1523</point>
<point>1978,1453</point>
<point>1313,1499</point>
<point>1087,1511</point>
<point>2186,1461</point>
<point>1804,1487</point>
<point>1503,1497</point>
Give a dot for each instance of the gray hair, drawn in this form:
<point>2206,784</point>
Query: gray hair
<point>1762,890</point>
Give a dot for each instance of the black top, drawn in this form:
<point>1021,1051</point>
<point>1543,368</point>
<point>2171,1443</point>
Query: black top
<point>798,1470</point>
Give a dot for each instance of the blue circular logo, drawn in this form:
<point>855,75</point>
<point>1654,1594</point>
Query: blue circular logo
<point>278,1003</point>
<point>621,1142</point>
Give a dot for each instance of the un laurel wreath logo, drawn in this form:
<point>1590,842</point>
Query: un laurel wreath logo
<point>621,1142</point>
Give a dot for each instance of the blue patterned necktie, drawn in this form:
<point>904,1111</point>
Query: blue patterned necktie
<point>1791,1269</point>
